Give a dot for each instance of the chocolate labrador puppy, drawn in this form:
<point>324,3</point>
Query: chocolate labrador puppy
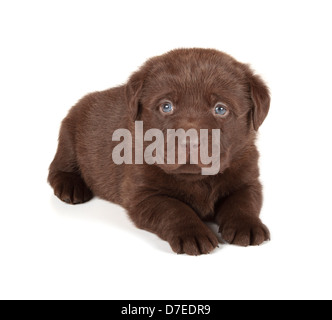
<point>187,89</point>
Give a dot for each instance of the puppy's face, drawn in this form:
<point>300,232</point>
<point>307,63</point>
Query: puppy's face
<point>199,89</point>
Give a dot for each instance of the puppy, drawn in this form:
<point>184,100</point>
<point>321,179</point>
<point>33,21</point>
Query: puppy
<point>182,89</point>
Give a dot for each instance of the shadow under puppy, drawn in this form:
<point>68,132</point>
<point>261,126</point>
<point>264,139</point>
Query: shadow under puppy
<point>184,88</point>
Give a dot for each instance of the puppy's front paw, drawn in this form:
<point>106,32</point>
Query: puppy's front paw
<point>193,241</point>
<point>244,231</point>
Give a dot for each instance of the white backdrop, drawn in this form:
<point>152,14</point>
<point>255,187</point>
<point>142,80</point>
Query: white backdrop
<point>54,52</point>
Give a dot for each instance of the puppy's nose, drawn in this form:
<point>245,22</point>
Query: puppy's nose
<point>186,143</point>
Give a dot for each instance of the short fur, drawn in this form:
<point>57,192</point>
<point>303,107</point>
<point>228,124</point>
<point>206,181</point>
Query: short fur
<point>172,201</point>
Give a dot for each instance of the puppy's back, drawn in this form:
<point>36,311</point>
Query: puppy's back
<point>93,120</point>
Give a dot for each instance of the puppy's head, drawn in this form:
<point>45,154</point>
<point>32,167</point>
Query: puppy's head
<point>199,89</point>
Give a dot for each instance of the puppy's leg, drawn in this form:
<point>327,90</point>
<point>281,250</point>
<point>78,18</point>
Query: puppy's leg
<point>175,222</point>
<point>238,217</point>
<point>64,175</point>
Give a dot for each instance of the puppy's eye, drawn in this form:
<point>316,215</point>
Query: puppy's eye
<point>167,107</point>
<point>220,109</point>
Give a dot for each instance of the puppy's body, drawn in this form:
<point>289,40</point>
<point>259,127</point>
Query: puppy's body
<point>165,200</point>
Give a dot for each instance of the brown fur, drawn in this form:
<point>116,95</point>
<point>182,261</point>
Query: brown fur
<point>166,200</point>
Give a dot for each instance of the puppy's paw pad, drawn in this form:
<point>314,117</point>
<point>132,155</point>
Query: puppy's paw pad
<point>71,188</point>
<point>245,232</point>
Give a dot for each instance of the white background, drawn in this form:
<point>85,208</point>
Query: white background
<point>54,52</point>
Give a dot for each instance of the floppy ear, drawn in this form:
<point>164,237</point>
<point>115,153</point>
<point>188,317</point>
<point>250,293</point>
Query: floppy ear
<point>260,97</point>
<point>133,92</point>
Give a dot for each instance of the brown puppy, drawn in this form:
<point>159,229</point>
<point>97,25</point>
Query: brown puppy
<point>185,88</point>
